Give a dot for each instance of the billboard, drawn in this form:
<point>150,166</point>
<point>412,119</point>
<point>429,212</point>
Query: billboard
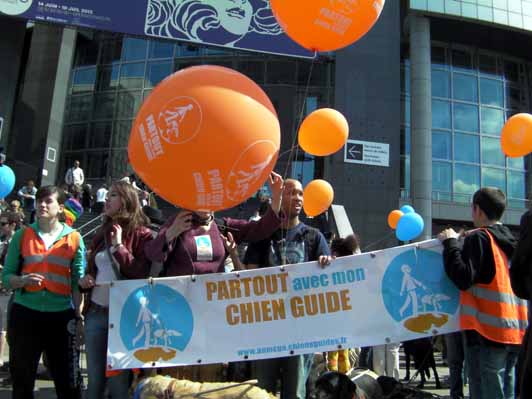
<point>243,24</point>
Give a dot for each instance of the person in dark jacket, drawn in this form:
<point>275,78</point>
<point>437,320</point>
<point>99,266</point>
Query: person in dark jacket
<point>492,317</point>
<point>521,279</point>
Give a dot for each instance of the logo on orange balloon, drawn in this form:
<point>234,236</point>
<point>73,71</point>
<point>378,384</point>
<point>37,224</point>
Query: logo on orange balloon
<point>247,171</point>
<point>180,120</point>
<point>326,25</point>
<point>206,138</point>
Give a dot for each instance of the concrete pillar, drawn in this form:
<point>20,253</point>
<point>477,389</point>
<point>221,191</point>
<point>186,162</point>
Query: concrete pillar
<point>368,93</point>
<point>52,148</point>
<point>38,115</point>
<point>421,121</point>
<point>12,33</point>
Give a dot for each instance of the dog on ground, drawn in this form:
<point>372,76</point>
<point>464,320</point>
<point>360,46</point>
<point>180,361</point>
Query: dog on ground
<point>422,351</point>
<point>160,387</point>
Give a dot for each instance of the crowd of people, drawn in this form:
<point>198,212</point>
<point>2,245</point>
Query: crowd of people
<point>60,284</point>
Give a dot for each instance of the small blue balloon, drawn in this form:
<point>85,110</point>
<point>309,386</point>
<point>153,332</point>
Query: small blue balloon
<point>7,180</point>
<point>409,227</point>
<point>407,209</point>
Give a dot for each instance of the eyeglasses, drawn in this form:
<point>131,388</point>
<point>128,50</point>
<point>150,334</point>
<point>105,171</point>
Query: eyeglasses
<point>3,223</point>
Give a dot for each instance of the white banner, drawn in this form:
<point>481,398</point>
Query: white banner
<point>391,295</point>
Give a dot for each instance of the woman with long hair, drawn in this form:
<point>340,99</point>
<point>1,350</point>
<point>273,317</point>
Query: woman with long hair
<point>116,252</point>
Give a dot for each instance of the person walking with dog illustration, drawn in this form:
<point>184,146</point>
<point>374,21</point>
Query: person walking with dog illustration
<point>146,316</point>
<point>409,285</point>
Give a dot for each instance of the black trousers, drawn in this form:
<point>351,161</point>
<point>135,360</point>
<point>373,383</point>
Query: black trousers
<point>30,334</point>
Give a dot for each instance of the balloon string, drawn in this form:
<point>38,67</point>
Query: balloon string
<point>285,152</point>
<point>300,120</point>
<point>295,146</point>
<point>374,243</point>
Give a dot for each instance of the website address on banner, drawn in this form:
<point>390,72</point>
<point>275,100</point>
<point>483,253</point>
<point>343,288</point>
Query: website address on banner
<point>262,350</point>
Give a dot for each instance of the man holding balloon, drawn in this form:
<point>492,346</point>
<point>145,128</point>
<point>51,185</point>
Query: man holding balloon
<point>294,242</point>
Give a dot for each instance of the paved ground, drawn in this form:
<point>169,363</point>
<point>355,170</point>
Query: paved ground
<point>45,389</point>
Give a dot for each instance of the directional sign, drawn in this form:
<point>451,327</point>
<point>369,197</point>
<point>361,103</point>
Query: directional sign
<point>367,153</point>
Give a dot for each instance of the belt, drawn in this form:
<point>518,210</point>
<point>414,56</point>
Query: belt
<point>98,308</point>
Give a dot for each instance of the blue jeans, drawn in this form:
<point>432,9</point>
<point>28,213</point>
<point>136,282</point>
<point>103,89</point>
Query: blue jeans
<point>295,370</point>
<point>491,371</point>
<point>455,360</point>
<point>96,325</point>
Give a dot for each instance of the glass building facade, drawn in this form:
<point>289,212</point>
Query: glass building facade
<point>513,13</point>
<point>113,74</point>
<point>474,91</point>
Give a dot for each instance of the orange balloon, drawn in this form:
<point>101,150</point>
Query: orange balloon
<point>326,25</point>
<point>323,132</point>
<point>205,139</point>
<point>393,218</point>
<point>516,136</point>
<point>317,197</point>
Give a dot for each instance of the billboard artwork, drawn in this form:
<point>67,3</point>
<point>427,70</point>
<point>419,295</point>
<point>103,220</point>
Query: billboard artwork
<point>243,24</point>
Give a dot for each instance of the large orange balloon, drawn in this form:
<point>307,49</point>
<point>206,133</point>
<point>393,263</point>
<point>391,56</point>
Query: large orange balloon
<point>516,136</point>
<point>205,139</point>
<point>323,132</point>
<point>317,197</point>
<point>326,25</point>
<point>393,218</point>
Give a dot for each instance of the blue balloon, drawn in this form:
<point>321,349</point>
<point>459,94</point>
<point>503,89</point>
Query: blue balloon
<point>407,209</point>
<point>7,180</point>
<point>409,227</point>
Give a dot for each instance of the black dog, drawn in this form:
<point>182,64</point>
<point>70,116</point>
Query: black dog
<point>335,385</point>
<point>422,351</point>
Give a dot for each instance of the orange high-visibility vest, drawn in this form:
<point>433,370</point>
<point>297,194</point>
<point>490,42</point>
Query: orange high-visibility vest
<point>492,309</point>
<point>53,263</point>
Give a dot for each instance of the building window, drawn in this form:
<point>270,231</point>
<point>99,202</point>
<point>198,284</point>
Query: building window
<point>441,84</point>
<point>132,75</point>
<point>84,80</point>
<point>470,103</point>
<point>441,145</point>
<point>107,78</point>
<point>161,50</point>
<point>114,74</point>
<point>134,49</point>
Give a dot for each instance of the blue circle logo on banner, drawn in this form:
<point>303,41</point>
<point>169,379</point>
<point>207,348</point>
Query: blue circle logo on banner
<point>155,323</point>
<point>417,292</point>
